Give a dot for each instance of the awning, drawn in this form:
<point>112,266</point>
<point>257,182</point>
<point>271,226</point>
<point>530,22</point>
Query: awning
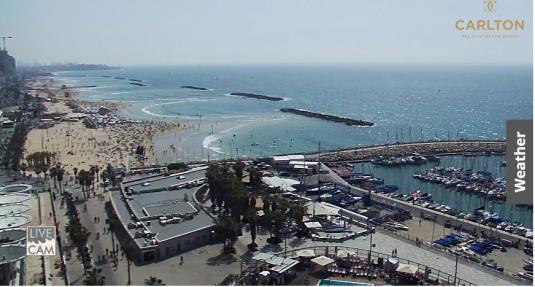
<point>305,253</point>
<point>312,224</point>
<point>319,209</point>
<point>322,260</point>
<point>407,269</point>
<point>279,264</point>
<point>344,253</point>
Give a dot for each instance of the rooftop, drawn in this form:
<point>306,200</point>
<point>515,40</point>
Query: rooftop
<point>149,202</point>
<point>11,253</point>
<point>13,198</point>
<point>13,209</point>
<point>13,221</point>
<point>8,236</point>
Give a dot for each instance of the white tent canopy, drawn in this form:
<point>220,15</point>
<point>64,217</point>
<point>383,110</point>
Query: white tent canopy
<point>319,209</point>
<point>279,264</point>
<point>305,253</point>
<point>283,183</point>
<point>312,224</point>
<point>322,260</point>
<point>407,269</point>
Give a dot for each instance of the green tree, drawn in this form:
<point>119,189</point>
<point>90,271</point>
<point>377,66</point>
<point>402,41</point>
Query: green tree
<point>227,229</point>
<point>238,168</point>
<point>129,249</point>
<point>255,178</point>
<point>59,176</point>
<point>153,281</point>
<point>93,278</point>
<point>40,162</point>
<point>53,173</point>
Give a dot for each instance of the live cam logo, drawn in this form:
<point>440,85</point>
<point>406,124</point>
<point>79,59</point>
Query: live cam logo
<point>40,240</point>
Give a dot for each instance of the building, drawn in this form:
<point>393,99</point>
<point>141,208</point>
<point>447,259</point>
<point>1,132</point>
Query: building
<point>283,161</point>
<point>162,216</point>
<point>13,233</point>
<point>7,66</point>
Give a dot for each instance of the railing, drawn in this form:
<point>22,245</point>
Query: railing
<point>407,237</point>
<point>444,277</point>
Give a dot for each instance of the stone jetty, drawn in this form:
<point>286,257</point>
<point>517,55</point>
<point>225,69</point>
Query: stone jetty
<point>257,96</point>
<point>194,88</point>
<point>332,118</point>
<point>366,153</point>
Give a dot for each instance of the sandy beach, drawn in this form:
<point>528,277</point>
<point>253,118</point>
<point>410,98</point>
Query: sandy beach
<point>75,145</point>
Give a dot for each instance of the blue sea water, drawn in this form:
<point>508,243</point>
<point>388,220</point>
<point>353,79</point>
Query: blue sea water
<point>406,103</point>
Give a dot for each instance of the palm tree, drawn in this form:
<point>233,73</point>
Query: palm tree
<point>129,248</point>
<point>23,168</point>
<point>59,177</point>
<point>78,234</point>
<point>255,177</point>
<point>75,170</point>
<point>40,161</point>
<point>252,218</point>
<point>104,175</point>
<point>238,167</point>
<point>227,228</point>
<point>53,173</point>
<point>153,281</point>
<point>85,179</point>
<point>93,277</point>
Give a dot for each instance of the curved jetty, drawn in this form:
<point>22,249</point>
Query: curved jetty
<point>332,118</point>
<point>194,88</point>
<point>257,96</point>
<point>427,148</point>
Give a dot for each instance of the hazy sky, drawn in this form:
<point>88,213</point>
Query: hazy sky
<point>250,31</point>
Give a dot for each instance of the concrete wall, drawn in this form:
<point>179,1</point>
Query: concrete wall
<point>177,245</point>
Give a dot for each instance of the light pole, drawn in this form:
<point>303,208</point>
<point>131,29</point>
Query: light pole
<point>433,233</point>
<point>4,40</point>
<point>372,230</point>
<point>456,260</point>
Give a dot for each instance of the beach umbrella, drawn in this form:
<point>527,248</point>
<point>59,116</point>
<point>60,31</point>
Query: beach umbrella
<point>264,273</point>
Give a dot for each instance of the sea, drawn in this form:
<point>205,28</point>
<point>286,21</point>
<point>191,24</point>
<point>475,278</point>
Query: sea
<point>405,102</point>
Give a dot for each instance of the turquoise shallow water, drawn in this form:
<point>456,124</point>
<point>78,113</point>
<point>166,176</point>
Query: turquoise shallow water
<point>406,103</point>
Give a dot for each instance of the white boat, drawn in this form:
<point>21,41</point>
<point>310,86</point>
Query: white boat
<point>525,275</point>
<point>396,225</point>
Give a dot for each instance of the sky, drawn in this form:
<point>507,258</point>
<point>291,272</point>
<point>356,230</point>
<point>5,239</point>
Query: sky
<point>259,31</point>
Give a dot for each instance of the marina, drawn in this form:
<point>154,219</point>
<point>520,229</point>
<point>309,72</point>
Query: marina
<point>463,201</point>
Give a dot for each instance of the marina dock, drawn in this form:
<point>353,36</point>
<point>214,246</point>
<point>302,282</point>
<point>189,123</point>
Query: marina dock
<point>440,217</point>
